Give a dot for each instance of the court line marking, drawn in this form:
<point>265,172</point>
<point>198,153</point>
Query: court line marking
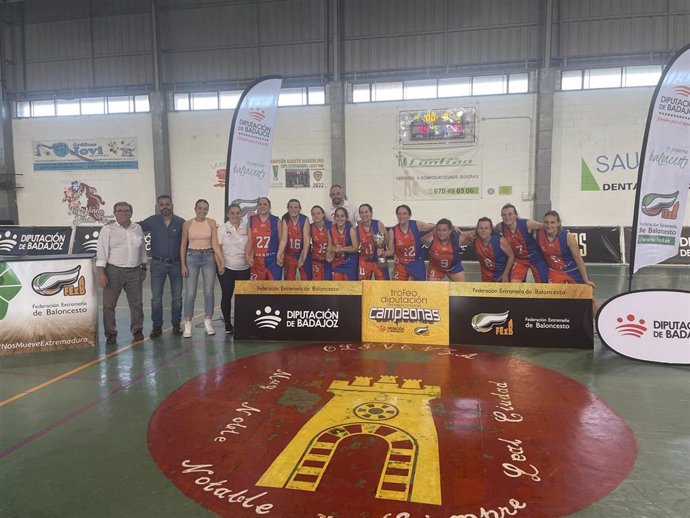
<point>45,384</point>
<point>75,413</point>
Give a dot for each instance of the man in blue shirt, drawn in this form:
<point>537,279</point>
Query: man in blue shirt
<point>166,233</point>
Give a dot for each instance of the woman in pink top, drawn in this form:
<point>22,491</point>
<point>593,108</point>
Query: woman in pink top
<point>200,252</point>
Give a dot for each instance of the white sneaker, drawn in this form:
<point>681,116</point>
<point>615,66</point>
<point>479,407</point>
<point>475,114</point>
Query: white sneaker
<point>187,329</point>
<point>209,327</point>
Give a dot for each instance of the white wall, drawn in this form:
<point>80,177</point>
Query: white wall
<point>505,128</point>
<point>40,200</point>
<point>199,145</point>
<point>603,128</point>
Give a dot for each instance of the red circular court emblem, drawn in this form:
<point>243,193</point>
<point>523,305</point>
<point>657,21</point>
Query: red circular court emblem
<point>389,431</point>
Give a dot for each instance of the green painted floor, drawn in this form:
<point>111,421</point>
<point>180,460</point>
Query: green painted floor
<point>77,447</point>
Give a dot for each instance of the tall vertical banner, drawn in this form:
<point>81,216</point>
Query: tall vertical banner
<point>664,175</point>
<point>251,143</point>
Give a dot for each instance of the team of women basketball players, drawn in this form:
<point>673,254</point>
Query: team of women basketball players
<point>272,248</point>
<point>277,248</point>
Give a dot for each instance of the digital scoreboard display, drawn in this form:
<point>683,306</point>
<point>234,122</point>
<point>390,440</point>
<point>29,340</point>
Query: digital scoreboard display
<point>437,126</point>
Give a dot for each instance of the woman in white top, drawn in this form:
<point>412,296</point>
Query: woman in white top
<point>232,237</point>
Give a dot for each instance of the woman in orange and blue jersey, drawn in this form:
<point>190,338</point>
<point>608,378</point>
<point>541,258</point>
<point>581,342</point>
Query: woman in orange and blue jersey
<point>444,253</point>
<point>293,251</point>
<point>528,256</point>
<point>561,252</point>
<point>344,245</point>
<point>263,237</point>
<point>320,230</point>
<point>493,252</point>
<point>407,246</point>
<point>369,251</point>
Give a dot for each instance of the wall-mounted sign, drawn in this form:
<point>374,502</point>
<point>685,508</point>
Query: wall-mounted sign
<point>80,154</point>
<point>441,126</point>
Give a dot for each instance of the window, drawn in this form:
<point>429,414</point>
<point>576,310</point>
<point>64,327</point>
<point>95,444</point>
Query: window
<point>83,106</point>
<point>93,106</point>
<point>67,107</point>
<point>455,87</point>
<point>489,85</point>
<point>361,93</point>
<point>120,104</point>
<point>518,83</point>
<point>571,80</point>
<point>422,89</point>
<point>43,108</point>
<point>205,101</point>
<point>23,109</point>
<point>180,102</point>
<point>292,97</point>
<point>602,78</point>
<point>141,103</point>
<point>229,100</point>
<point>387,91</point>
<point>642,76</point>
<point>316,95</point>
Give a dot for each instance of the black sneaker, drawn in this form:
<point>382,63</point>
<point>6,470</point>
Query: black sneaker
<point>111,340</point>
<point>228,329</point>
<point>156,331</point>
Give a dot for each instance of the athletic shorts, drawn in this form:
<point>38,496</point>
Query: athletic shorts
<point>438,273</point>
<point>378,270</point>
<point>561,277</point>
<point>290,269</point>
<point>320,270</point>
<point>344,274</point>
<point>411,271</point>
<point>519,271</point>
<point>489,276</point>
<point>265,269</point>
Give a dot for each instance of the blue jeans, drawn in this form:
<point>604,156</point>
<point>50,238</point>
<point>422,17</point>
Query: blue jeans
<point>205,263</point>
<point>159,271</point>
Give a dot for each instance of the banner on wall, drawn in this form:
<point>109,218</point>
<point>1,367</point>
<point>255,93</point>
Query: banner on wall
<point>251,142</point>
<point>17,241</point>
<point>298,173</point>
<point>438,174</point>
<point>81,154</point>
<point>664,175</point>
<point>47,305</point>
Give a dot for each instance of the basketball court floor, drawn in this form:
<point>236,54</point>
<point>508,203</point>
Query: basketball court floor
<point>195,427</point>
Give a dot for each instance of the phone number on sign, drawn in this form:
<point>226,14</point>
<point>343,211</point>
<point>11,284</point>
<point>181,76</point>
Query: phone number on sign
<point>454,190</point>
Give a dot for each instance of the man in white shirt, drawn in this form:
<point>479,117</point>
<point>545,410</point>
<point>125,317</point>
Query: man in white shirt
<point>338,199</point>
<point>121,265</point>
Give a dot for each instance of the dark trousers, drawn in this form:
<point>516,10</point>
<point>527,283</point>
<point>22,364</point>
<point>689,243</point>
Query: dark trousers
<point>227,288</point>
<point>129,280</point>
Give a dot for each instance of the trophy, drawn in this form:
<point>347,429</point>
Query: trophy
<point>378,241</point>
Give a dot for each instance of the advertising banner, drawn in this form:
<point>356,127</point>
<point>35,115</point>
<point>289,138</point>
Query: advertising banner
<point>47,305</point>
<point>298,173</point>
<point>527,315</point>
<point>296,310</point>
<point>86,240</point>
<point>81,154</point>
<point>599,244</point>
<point>251,143</point>
<point>683,255</point>
<point>664,175</point>
<point>401,311</point>
<point>17,241</point>
<point>651,325</point>
<point>438,174</point>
